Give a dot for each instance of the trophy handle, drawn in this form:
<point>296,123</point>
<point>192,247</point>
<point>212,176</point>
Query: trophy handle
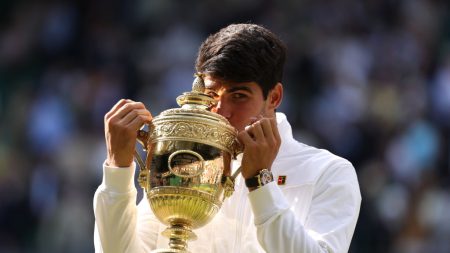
<point>228,183</point>
<point>142,138</point>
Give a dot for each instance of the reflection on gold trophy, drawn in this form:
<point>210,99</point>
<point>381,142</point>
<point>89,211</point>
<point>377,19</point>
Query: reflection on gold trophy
<point>186,174</point>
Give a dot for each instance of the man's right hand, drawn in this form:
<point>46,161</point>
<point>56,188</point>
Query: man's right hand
<point>122,123</point>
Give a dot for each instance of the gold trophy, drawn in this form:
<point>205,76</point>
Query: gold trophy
<point>186,174</point>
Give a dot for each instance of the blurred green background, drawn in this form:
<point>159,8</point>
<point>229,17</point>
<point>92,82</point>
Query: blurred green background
<point>368,80</point>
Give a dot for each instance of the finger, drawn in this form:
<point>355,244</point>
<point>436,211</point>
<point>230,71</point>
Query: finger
<point>138,122</point>
<point>253,120</point>
<point>245,139</point>
<point>124,110</point>
<point>116,107</point>
<point>249,130</point>
<point>133,114</point>
<point>276,133</point>
<point>267,130</point>
<point>257,131</point>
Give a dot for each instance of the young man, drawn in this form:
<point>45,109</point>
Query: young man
<point>311,206</point>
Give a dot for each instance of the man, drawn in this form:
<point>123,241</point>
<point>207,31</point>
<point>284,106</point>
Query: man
<point>311,206</point>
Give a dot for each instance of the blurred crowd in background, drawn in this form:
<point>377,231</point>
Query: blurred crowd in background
<point>368,80</point>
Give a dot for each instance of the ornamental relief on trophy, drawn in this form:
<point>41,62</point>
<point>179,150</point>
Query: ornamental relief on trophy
<point>179,111</point>
<point>193,130</point>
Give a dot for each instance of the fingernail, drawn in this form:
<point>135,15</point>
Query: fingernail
<point>253,120</point>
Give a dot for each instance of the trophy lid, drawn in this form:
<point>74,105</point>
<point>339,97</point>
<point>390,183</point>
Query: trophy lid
<point>194,122</point>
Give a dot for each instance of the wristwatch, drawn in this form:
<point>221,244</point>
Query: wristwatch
<point>264,177</point>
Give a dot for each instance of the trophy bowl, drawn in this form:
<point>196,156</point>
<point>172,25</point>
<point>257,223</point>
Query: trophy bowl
<point>186,174</point>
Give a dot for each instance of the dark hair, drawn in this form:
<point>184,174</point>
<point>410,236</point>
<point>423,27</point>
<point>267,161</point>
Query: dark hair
<point>243,53</point>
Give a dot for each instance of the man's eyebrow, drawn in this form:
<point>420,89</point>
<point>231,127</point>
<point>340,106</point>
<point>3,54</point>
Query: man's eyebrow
<point>230,90</point>
<point>238,88</point>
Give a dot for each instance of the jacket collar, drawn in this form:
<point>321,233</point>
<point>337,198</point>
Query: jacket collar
<point>287,139</point>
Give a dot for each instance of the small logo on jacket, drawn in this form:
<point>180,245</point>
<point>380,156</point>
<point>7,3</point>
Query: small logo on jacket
<point>281,180</point>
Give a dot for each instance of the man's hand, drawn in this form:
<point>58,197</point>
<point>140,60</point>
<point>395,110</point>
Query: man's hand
<point>261,142</point>
<point>121,125</point>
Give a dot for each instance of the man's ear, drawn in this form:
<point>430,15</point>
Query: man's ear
<point>275,96</point>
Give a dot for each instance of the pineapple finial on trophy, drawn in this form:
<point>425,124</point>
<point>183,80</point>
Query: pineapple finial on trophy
<point>197,97</point>
<point>198,85</point>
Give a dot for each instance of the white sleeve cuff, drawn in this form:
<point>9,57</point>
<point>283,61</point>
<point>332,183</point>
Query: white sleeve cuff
<point>266,202</point>
<point>118,179</point>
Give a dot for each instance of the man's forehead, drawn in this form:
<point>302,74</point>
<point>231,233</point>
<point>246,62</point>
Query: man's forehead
<point>213,83</point>
<point>217,84</point>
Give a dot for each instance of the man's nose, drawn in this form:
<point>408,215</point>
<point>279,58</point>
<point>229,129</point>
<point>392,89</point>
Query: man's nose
<point>222,108</point>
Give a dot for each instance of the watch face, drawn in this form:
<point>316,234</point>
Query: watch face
<point>266,177</point>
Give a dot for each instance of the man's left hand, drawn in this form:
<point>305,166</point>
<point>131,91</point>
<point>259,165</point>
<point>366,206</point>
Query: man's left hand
<point>261,142</point>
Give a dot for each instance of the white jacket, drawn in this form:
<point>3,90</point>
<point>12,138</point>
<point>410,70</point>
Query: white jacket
<point>314,211</point>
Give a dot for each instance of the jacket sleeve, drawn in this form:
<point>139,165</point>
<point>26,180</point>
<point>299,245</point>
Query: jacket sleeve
<point>116,214</point>
<point>330,221</point>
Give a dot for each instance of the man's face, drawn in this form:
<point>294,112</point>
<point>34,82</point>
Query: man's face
<point>240,103</point>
